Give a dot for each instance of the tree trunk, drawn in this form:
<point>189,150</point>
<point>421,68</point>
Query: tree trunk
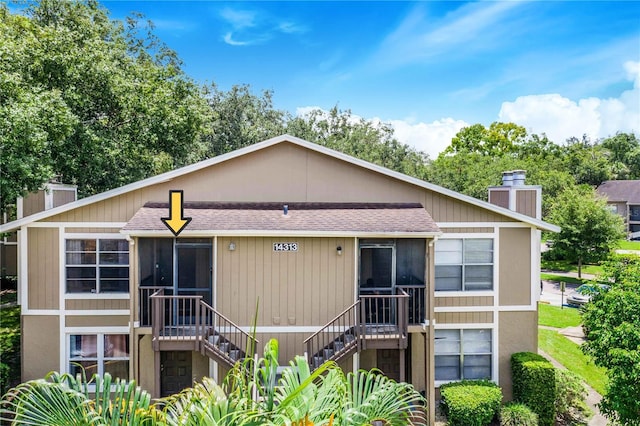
<point>580,267</point>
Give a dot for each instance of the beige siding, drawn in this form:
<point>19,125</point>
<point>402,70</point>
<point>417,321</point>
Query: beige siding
<point>464,317</point>
<point>97,321</point>
<point>447,209</point>
<point>145,366</point>
<point>96,304</point>
<point>94,231</point>
<point>40,346</point>
<point>33,203</point>
<point>61,197</point>
<point>303,288</point>
<point>515,266</point>
<point>261,176</point>
<point>199,366</point>
<point>526,202</point>
<point>44,268</point>
<point>499,197</point>
<point>467,230</point>
<point>518,333</point>
<point>464,301</point>
<point>289,345</point>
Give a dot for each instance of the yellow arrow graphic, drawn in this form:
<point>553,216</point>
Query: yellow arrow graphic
<point>176,222</point>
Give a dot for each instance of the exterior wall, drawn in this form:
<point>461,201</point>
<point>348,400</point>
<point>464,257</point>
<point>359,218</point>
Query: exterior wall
<point>518,333</point>
<point>97,321</point>
<point>464,318</point>
<point>40,346</point>
<point>199,366</point>
<point>499,197</point>
<point>8,259</point>
<point>515,266</point>
<point>33,203</point>
<point>465,301</point>
<point>96,304</point>
<point>310,176</point>
<point>304,288</point>
<point>44,268</point>
<point>144,363</point>
<point>526,201</point>
<point>61,196</point>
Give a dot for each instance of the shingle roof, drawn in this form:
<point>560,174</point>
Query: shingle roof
<point>621,191</point>
<point>300,217</point>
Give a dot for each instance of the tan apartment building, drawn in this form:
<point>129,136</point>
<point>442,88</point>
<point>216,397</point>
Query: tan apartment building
<point>343,259</point>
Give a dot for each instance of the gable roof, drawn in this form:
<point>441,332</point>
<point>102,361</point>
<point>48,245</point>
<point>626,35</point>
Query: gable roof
<point>164,177</point>
<point>621,191</point>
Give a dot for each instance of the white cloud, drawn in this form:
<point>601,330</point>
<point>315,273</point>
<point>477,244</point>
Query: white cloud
<point>431,138</point>
<point>561,118</point>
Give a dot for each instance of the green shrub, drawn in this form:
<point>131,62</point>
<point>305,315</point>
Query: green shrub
<point>471,402</point>
<point>514,414</point>
<point>534,384</point>
<point>571,407</point>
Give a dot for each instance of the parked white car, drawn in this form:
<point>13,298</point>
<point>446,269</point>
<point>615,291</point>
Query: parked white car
<point>584,293</point>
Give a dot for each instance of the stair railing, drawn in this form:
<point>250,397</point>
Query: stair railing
<point>333,340</point>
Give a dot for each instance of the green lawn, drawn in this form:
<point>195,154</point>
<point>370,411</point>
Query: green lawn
<point>554,316</point>
<point>569,354</point>
<point>565,266</point>
<point>629,245</point>
<point>561,278</point>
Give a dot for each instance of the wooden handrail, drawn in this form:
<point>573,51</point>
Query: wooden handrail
<point>331,322</point>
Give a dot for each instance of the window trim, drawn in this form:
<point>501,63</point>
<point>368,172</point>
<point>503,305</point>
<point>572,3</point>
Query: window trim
<point>463,291</point>
<point>461,328</point>
<point>97,293</point>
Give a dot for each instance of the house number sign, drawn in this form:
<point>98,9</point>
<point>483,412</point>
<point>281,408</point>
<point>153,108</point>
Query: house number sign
<point>285,246</point>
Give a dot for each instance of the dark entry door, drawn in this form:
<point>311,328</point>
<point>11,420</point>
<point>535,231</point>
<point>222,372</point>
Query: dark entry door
<point>377,281</point>
<point>389,363</point>
<point>194,268</point>
<point>175,372</point>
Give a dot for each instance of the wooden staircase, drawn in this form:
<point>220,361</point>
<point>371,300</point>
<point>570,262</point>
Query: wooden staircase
<point>372,322</point>
<point>182,322</point>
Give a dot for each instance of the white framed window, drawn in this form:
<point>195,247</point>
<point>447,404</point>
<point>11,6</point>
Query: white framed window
<point>98,354</point>
<point>464,264</point>
<point>97,265</point>
<point>464,354</point>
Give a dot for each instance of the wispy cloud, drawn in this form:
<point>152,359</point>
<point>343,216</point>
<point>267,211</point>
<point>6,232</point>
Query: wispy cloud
<point>473,26</point>
<point>255,27</point>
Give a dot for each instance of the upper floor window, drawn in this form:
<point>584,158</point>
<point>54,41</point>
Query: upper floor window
<point>97,265</point>
<point>464,264</point>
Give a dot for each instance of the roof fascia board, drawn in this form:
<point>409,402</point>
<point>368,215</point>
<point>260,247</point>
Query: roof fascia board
<point>165,177</point>
<point>281,234</point>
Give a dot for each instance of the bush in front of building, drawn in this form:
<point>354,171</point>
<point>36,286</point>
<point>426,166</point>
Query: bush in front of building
<point>534,384</point>
<point>571,406</point>
<point>515,414</point>
<point>471,402</point>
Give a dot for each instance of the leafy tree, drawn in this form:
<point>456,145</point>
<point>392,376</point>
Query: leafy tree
<point>239,118</point>
<point>589,229</point>
<point>373,142</point>
<point>498,139</point>
<point>93,100</point>
<point>612,329</point>
<point>625,155</point>
<point>587,162</point>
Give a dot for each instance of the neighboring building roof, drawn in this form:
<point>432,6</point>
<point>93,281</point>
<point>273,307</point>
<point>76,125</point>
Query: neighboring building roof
<point>262,145</point>
<point>300,218</point>
<point>621,191</point>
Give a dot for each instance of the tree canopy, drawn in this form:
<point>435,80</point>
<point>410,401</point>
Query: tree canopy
<point>590,231</point>
<point>612,328</point>
<point>91,100</point>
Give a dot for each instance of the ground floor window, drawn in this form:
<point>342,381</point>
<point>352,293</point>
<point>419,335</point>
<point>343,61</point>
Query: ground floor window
<point>99,354</point>
<point>463,354</point>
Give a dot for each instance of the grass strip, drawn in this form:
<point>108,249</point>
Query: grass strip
<point>554,316</point>
<point>569,354</point>
<point>561,278</point>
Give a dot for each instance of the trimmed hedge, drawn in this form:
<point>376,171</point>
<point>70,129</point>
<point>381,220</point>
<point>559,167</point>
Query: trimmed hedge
<point>471,402</point>
<point>514,414</point>
<point>534,384</point>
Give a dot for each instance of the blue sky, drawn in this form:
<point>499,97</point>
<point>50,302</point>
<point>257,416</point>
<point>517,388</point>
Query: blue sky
<point>428,68</point>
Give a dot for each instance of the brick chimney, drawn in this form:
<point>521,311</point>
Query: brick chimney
<point>514,194</point>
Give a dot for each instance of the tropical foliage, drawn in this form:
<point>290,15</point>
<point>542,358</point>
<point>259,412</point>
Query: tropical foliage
<point>250,395</point>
